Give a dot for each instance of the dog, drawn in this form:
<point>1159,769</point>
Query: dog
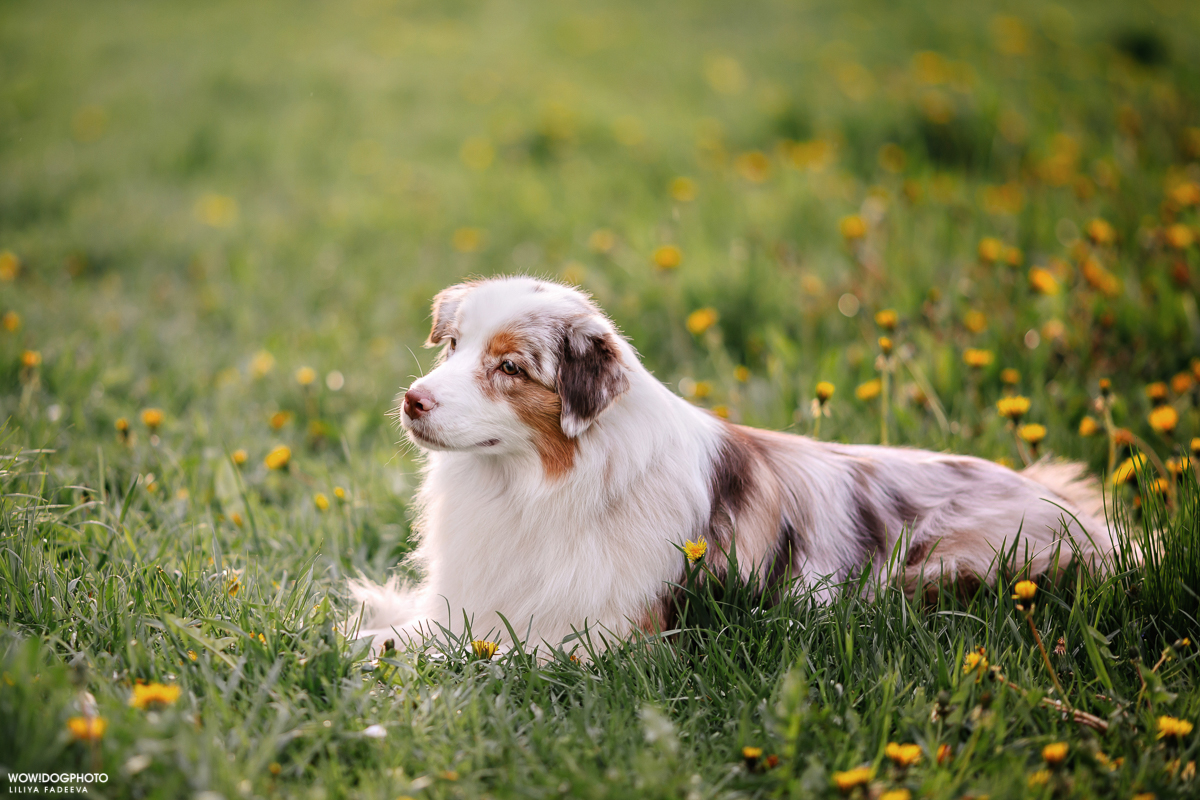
<point>561,478</point>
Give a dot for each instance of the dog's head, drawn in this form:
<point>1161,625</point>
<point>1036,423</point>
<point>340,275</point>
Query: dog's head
<point>524,363</point>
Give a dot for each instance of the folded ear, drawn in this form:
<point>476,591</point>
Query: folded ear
<point>445,311</point>
<point>591,374</point>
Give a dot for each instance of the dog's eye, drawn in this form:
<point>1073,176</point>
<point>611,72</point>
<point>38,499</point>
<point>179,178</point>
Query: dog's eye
<point>453,345</point>
<point>509,368</point>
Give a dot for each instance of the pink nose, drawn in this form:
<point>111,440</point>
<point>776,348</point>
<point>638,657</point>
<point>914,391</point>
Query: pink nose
<point>418,403</point>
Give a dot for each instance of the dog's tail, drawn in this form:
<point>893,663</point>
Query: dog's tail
<point>379,608</point>
<point>1071,481</point>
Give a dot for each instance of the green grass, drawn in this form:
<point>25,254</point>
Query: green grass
<point>188,187</point>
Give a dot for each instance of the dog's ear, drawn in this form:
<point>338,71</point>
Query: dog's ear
<point>591,374</point>
<point>445,309</point>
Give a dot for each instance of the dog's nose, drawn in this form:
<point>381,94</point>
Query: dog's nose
<point>418,403</point>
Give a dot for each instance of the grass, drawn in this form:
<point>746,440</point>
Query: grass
<point>196,202</point>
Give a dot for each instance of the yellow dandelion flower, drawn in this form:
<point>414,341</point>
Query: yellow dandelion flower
<point>321,501</point>
<point>1195,446</point>
<point>10,266</point>
<point>751,755</point>
<point>602,240</point>
<point>853,227</point>
<point>741,374</point>
<point>825,390</point>
<point>1014,256</point>
<point>1025,590</point>
<point>87,729</point>
<point>1177,466</point>
<point>279,457</point>
<point>1010,376</point>
<point>239,456</point>
<point>887,319</point>
<point>976,659</point>
<point>1100,232</point>
<point>754,166</point>
<point>668,257</point>
<point>885,344</point>
<point>153,695</point>
<point>990,250</point>
<point>1186,193</point>
<point>191,654</point>
<point>1164,419</point>
<point>1173,727</point>
<point>1042,281</point>
<point>279,419</point>
<point>484,649</point>
<point>152,418</point>
<point>1032,433</point>
<point>122,425</point>
<point>1088,426</point>
<point>262,363</point>
<point>1179,236</point>
<point>1157,392</point>
<point>896,794</point>
<point>1055,753</point>
<point>695,550</point>
<point>1013,407</point>
<point>845,781</point>
<point>904,755</point>
<point>305,376</point>
<point>701,320</point>
<point>975,321</point>
<point>1182,383</point>
<point>1128,469</point>
<point>1039,778</point>
<point>703,389</point>
<point>683,189</point>
<point>275,768</point>
<point>30,359</point>
<point>945,754</point>
<point>868,391</point>
<point>976,358</point>
<point>237,520</point>
<point>10,321</point>
<point>721,411</point>
<point>339,493</point>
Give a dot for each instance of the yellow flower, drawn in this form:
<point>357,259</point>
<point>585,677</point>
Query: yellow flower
<point>1013,407</point>
<point>305,376</point>
<point>668,257</point>
<point>30,359</point>
<point>975,321</point>
<point>279,457</point>
<point>852,227</point>
<point>887,319</point>
<point>1180,236</point>
<point>904,755</point>
<point>701,320</point>
<point>1177,466</point>
<point>152,418</point>
<point>191,654</point>
<point>845,781</point>
<point>602,240</point>
<point>279,419</point>
<point>1039,778</point>
<point>1182,383</point>
<point>869,390</point>
<point>825,390</point>
<point>153,695</point>
<point>703,389</point>
<point>236,519</point>
<point>1195,446</point>
<point>1186,193</point>
<point>885,344</point>
<point>1088,426</point>
<point>87,729</point>
<point>990,250</point>
<point>339,493</point>
<point>695,550</point>
<point>239,456</point>
<point>1164,419</point>
<point>751,755</point>
<point>1101,232</point>
<point>1032,433</point>
<point>741,374</point>
<point>1010,376</point>
<point>753,166</point>
<point>896,794</point>
<point>262,363</point>
<point>122,425</point>
<point>1042,281</point>
<point>1157,392</point>
<point>1025,590</point>
<point>11,321</point>
<point>945,754</point>
<point>1128,469</point>
<point>484,649</point>
<point>975,659</point>
<point>1055,753</point>
<point>321,501</point>
<point>683,189</point>
<point>1176,728</point>
<point>1014,256</point>
<point>977,358</point>
<point>10,266</point>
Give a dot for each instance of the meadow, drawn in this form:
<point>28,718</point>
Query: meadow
<point>969,227</point>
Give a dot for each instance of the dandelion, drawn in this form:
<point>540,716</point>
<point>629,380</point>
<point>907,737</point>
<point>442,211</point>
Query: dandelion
<point>945,754</point>
<point>152,418</point>
<point>975,321</point>
<point>10,266</point>
<point>753,166</point>
<point>1054,754</point>
<point>1195,446</point>
<point>87,729</point>
<point>978,359</point>
<point>668,257</point>
<point>701,320</point>
<point>279,457</point>
<point>1100,232</point>
<point>825,390</point>
<point>1025,590</point>
<point>1013,408</point>
<point>10,321</point>
<point>1128,469</point>
<point>1179,236</point>
<point>896,794</point>
<point>1186,193</point>
<point>741,374</point>
<point>845,781</point>
<point>1157,392</point>
<point>751,755</point>
<point>695,550</point>
<point>1032,433</point>
<point>1088,426</point>
<point>30,359</point>
<point>1182,383</point>
<point>484,649</point>
<point>1164,419</point>
<point>852,227</point>
<point>122,426</point>
<point>239,457</point>
<point>153,695</point>
<point>1042,281</point>
<point>885,344</point>
<point>237,520</point>
<point>868,391</point>
<point>887,319</point>
<point>339,493</point>
<point>683,189</point>
<point>275,768</point>
<point>262,363</point>
<point>1010,376</point>
<point>990,250</point>
<point>279,419</point>
<point>1039,778</point>
<point>192,656</point>
<point>321,501</point>
<point>903,755</point>
<point>976,659</point>
<point>305,376</point>
<point>1173,728</point>
<point>1014,256</point>
<point>1177,466</point>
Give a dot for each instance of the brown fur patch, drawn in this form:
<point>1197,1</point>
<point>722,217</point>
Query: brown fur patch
<point>745,502</point>
<point>506,342</point>
<point>541,410</point>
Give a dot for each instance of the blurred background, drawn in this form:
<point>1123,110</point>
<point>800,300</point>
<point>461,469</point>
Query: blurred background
<point>237,214</point>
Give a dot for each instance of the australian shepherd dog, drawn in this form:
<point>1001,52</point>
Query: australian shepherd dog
<point>561,478</point>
